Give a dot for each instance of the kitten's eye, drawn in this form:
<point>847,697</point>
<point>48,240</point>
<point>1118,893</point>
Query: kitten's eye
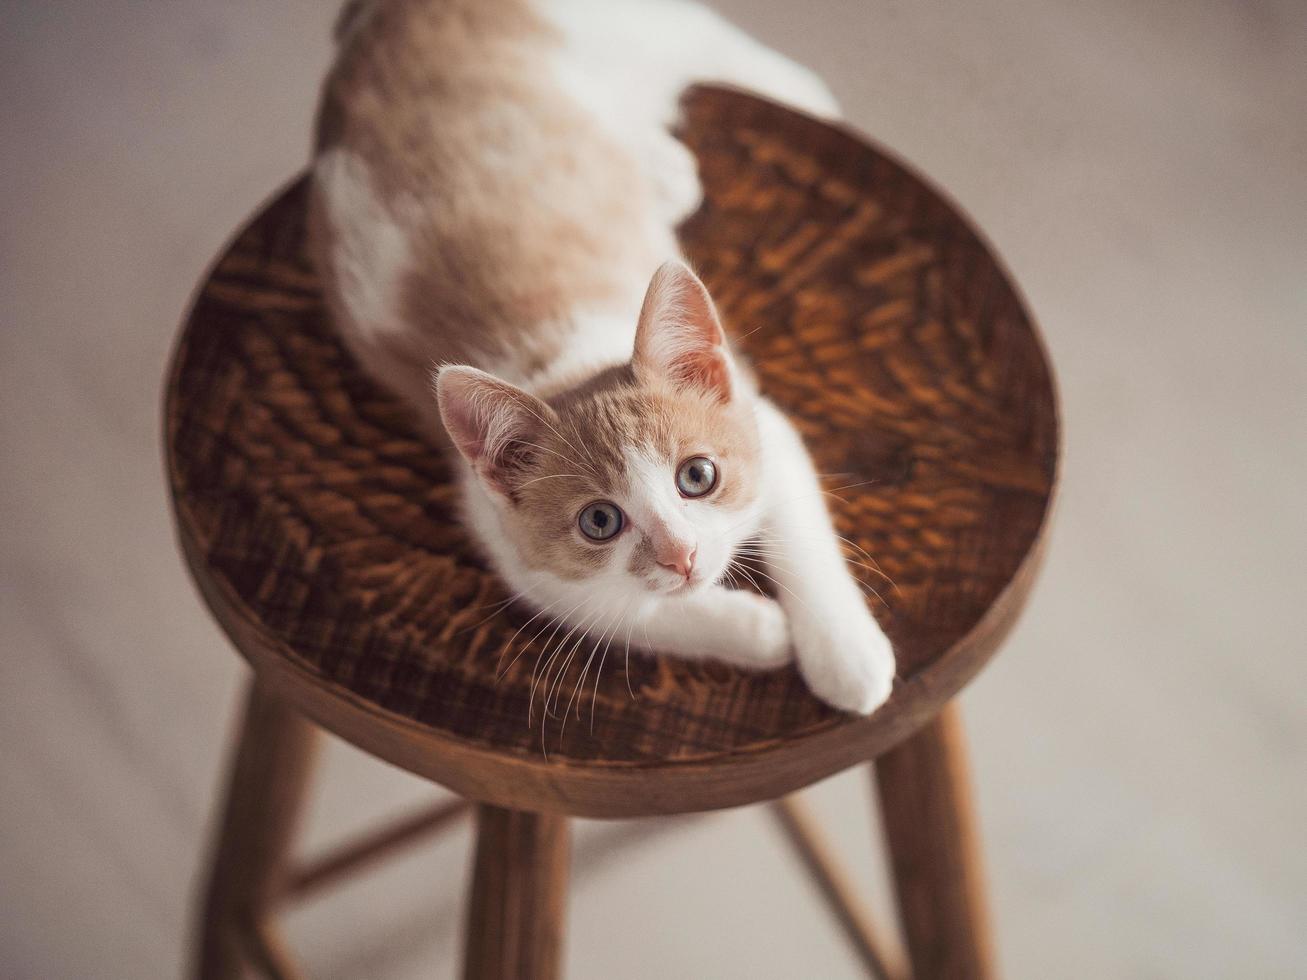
<point>600,520</point>
<point>697,476</point>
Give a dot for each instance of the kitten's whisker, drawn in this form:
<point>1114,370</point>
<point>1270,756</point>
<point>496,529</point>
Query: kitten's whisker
<point>599,676</point>
<point>557,656</point>
<point>546,449</point>
<point>580,681</point>
<point>550,476</point>
<point>577,630</point>
<point>566,441</point>
<point>871,589</point>
<point>788,500</point>
<point>752,581</point>
<point>731,527</point>
<point>648,643</point>
<point>495,609</point>
<point>585,449</point>
<point>535,671</point>
<point>587,621</point>
<point>556,622</point>
<point>786,588</point>
<point>562,661</point>
<point>746,336</point>
<point>564,664</point>
<point>626,670</point>
<point>771,538</point>
<point>509,645</point>
<point>594,698</point>
<point>557,601</point>
<point>858,564</point>
<point>494,605</point>
<point>551,621</point>
<point>873,565</point>
<point>849,486</point>
<point>774,559</point>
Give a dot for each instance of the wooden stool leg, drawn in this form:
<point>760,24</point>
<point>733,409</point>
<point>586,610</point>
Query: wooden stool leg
<point>265,795</point>
<point>926,807</point>
<point>519,893</point>
<point>884,960</point>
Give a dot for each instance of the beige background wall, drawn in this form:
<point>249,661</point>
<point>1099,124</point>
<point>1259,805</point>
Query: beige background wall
<point>1139,746</point>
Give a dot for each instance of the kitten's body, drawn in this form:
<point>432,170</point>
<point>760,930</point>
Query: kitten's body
<point>495,181</point>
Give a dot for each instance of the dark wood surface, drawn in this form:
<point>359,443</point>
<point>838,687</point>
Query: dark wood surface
<point>925,803</point>
<point>322,529</point>
<point>251,862</point>
<point>516,916</point>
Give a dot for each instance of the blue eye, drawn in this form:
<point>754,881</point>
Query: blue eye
<point>696,477</point>
<point>600,521</point>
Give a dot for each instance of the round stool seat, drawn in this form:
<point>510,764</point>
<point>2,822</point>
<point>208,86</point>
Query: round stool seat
<point>324,534</point>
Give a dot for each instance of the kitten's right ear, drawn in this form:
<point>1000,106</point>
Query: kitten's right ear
<point>491,422</point>
<point>679,337</point>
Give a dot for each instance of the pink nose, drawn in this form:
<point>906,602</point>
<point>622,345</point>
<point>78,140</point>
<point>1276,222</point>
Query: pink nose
<point>678,558</point>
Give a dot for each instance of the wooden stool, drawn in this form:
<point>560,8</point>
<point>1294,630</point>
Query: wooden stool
<point>322,532</point>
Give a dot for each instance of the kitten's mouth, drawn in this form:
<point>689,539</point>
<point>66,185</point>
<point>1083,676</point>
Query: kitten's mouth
<point>692,584</point>
<point>700,578</point>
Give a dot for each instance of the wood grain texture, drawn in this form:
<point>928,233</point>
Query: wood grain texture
<point>362,852</point>
<point>250,864</point>
<point>925,802</point>
<point>516,912</point>
<point>881,956</point>
<point>323,532</point>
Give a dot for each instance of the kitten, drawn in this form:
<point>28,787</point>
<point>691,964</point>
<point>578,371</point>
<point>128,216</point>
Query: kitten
<point>494,182</point>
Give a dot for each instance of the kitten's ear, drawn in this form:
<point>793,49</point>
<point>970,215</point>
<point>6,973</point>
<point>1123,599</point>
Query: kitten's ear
<point>492,423</point>
<point>679,337</point>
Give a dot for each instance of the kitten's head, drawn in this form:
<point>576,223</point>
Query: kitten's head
<point>643,480</point>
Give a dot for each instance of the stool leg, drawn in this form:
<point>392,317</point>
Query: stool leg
<point>519,895</point>
<point>926,809</point>
<point>265,795</point>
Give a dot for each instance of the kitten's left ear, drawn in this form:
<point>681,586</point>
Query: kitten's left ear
<point>679,336</point>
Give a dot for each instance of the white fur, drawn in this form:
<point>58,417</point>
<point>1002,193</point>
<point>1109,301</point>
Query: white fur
<point>712,530</point>
<point>372,252</point>
<point>630,60</point>
<point>627,62</point>
<point>711,621</point>
<point>602,339</point>
<point>842,652</point>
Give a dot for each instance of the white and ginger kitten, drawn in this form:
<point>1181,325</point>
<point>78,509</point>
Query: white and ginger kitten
<point>495,182</point>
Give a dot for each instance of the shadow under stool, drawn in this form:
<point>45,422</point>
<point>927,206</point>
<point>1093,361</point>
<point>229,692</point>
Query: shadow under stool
<point>323,533</point>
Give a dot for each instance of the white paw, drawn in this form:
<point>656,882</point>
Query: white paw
<point>759,633</point>
<point>846,659</point>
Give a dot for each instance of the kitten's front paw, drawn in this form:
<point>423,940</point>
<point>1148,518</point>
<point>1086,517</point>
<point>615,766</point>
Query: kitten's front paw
<point>759,633</point>
<point>846,659</point>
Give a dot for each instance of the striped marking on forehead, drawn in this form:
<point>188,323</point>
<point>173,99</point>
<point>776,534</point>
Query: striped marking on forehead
<point>615,428</point>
